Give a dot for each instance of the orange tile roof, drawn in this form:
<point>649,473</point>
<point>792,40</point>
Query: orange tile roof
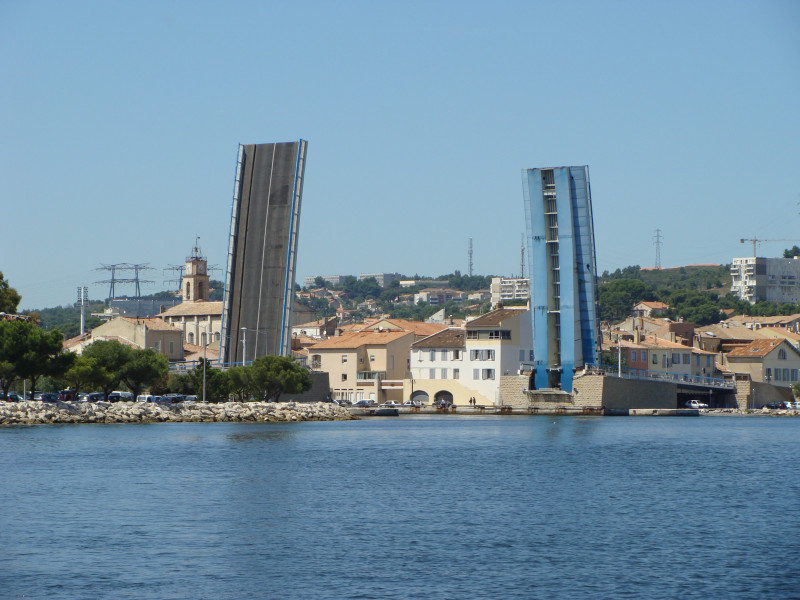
<point>496,317</point>
<point>418,327</point>
<point>186,309</point>
<point>759,348</point>
<point>351,341</point>
<point>448,338</point>
<point>152,323</point>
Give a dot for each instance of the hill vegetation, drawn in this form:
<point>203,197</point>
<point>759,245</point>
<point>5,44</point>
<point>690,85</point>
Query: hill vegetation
<point>695,293</point>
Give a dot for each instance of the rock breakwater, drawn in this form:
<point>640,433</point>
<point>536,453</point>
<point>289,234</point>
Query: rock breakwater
<point>12,413</point>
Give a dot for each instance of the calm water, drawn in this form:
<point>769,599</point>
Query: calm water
<point>415,507</point>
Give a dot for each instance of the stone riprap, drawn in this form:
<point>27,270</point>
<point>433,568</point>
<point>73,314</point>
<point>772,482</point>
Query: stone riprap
<point>12,413</point>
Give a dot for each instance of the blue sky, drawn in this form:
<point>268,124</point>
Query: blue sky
<point>120,124</point>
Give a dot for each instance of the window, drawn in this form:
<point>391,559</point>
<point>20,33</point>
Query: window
<point>500,334</point>
<point>777,375</point>
<point>391,361</point>
<point>431,373</point>
<point>697,360</point>
<point>687,359</point>
<point>488,374</point>
<point>344,358</point>
<point>782,354</point>
<point>708,361</point>
<point>655,358</point>
<point>633,356</point>
<point>371,357</point>
<point>457,373</point>
<point>191,337</point>
<point>794,374</point>
<point>769,374</point>
<point>157,346</point>
<point>444,354</point>
<point>530,355</point>
<point>522,356</point>
<point>786,374</point>
<point>444,373</point>
<point>456,354</point>
<point>344,376</point>
<point>676,358</point>
<point>472,335</point>
<point>482,354</point>
<point>171,348</point>
<point>476,373</point>
<point>433,355</point>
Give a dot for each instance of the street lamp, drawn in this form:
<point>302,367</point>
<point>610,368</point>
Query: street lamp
<point>244,342</point>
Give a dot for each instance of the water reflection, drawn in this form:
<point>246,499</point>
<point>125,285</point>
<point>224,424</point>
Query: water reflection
<point>261,436</point>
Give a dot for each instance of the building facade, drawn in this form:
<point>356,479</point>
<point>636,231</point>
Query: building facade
<point>456,364</point>
<point>771,279</point>
<point>365,365</point>
<point>509,288</point>
<point>561,255</point>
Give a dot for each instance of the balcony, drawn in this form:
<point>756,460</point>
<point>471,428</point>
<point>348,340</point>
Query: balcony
<point>371,375</point>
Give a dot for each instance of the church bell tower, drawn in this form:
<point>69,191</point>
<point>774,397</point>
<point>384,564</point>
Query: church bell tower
<point>195,282</point>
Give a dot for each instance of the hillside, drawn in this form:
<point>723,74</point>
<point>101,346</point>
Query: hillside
<point>701,278</point>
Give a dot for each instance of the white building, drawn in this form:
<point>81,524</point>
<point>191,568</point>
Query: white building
<point>455,365</point>
<point>507,288</point>
<point>770,279</point>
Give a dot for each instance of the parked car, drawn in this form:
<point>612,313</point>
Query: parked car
<point>362,403</point>
<point>412,403</point>
<point>787,405</point>
<point>442,403</point>
<point>772,405</point>
<point>12,397</point>
<point>174,398</point>
<point>117,396</point>
<point>48,397</point>
<point>390,404</point>
<point>695,404</point>
<point>93,397</point>
<point>796,405</point>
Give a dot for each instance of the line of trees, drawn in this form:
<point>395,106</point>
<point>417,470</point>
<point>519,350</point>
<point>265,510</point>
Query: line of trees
<point>266,379</point>
<point>31,355</point>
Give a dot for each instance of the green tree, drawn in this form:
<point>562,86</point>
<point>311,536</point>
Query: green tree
<point>240,382</point>
<point>319,281</point>
<point>80,374</point>
<point>110,360</point>
<point>217,382</point>
<point>618,297</point>
<point>276,375</point>
<point>144,368</point>
<point>792,252</point>
<point>36,352</point>
<point>9,297</point>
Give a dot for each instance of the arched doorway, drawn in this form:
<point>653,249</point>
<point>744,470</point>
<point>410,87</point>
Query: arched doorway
<point>443,398</point>
<point>420,396</point>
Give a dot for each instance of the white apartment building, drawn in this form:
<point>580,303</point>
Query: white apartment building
<point>771,279</point>
<point>455,365</point>
<point>507,288</point>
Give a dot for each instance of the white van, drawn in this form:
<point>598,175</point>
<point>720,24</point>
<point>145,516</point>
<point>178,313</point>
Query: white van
<point>117,396</point>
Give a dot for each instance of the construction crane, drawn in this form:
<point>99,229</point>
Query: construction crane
<point>758,241</point>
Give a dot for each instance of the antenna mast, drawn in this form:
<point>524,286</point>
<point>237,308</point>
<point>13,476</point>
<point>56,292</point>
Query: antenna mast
<point>469,269</point>
<point>522,258</point>
<point>657,242</point>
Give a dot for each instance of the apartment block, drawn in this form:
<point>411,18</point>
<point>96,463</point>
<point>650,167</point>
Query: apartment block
<point>509,288</point>
<point>770,279</point>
